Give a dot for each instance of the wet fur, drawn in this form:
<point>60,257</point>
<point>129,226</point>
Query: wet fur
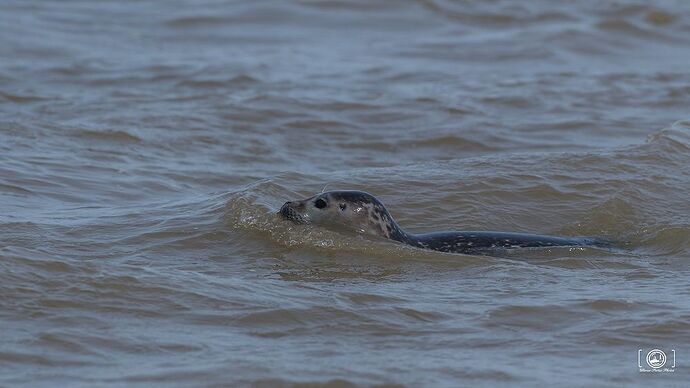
<point>365,213</point>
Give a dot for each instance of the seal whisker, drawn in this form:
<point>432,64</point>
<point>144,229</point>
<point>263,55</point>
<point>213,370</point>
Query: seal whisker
<point>325,186</point>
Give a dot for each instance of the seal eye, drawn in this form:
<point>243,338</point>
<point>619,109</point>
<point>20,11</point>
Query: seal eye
<point>342,206</point>
<point>320,203</point>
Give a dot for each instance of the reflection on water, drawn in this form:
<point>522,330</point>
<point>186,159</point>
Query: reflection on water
<point>145,148</point>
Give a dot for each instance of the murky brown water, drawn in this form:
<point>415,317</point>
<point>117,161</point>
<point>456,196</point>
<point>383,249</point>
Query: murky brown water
<point>145,147</point>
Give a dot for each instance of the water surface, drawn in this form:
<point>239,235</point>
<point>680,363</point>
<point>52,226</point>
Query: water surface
<point>146,146</point>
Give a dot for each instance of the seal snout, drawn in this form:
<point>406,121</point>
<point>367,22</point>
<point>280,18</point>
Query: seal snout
<point>285,210</point>
<point>289,212</point>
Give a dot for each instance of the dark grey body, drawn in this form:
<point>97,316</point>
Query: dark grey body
<point>475,242</point>
<point>365,213</point>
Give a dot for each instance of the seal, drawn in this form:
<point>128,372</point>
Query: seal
<point>364,213</point>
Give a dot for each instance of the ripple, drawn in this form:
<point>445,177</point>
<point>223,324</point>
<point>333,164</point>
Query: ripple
<point>107,136</point>
<point>145,148</point>
<point>19,98</point>
<point>240,80</point>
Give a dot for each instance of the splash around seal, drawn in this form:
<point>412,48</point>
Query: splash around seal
<point>364,213</point>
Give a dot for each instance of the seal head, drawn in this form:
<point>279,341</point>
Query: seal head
<point>350,209</point>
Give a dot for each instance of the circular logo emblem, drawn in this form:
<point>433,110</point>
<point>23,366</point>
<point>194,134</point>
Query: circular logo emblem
<point>656,358</point>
